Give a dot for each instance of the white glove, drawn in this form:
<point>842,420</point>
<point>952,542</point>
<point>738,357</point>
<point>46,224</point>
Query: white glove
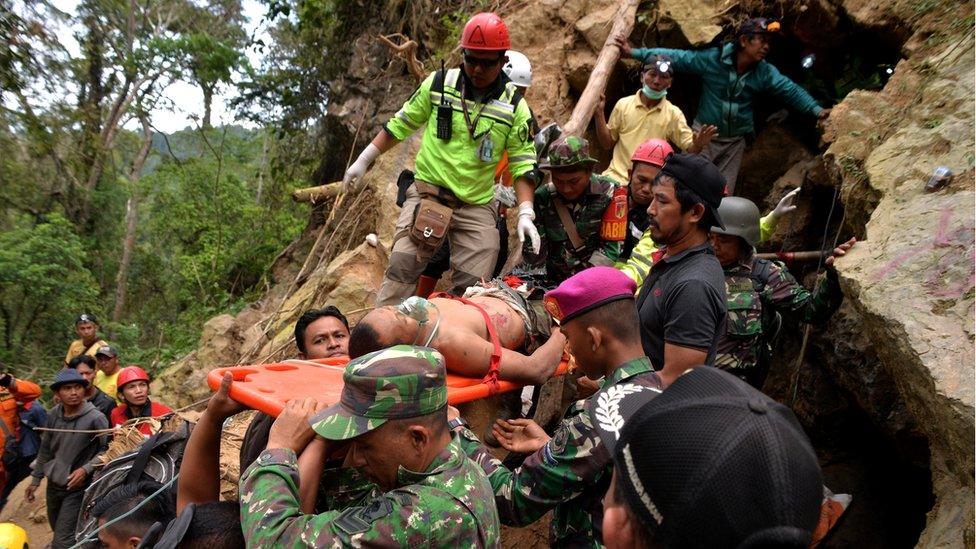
<point>354,174</point>
<point>526,227</point>
<point>786,204</point>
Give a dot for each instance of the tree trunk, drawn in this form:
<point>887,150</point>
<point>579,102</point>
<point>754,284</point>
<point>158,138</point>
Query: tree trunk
<point>131,220</point>
<point>623,24</point>
<point>264,164</point>
<point>208,93</point>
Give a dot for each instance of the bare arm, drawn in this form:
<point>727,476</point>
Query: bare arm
<point>470,355</point>
<point>524,191</point>
<point>310,465</point>
<point>200,471</point>
<point>677,359</point>
<point>602,130</point>
<point>384,141</point>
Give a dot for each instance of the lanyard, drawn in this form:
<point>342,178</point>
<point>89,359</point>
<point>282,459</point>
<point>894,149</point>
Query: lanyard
<point>467,118</point>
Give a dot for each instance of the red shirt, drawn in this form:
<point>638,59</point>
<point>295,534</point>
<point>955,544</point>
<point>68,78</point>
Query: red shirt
<point>121,414</point>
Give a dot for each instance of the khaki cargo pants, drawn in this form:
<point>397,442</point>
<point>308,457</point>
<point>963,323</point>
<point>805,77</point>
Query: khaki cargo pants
<point>474,249</point>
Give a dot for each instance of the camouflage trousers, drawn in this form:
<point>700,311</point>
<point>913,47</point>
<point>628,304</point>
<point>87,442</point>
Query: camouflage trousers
<point>474,249</point>
<point>534,315</point>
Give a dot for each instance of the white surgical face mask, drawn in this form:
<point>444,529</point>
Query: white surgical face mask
<point>653,94</point>
<point>418,308</point>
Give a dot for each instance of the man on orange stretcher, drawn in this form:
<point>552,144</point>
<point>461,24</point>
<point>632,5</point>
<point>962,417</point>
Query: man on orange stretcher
<point>480,334</point>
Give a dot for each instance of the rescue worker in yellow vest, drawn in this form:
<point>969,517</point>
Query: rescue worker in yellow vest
<point>472,114</point>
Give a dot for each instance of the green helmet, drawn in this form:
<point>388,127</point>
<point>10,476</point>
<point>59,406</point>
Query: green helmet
<point>566,152</point>
<point>741,219</point>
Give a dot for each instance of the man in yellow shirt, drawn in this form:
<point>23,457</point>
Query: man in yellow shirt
<point>646,115</point>
<point>86,326</point>
<point>107,359</point>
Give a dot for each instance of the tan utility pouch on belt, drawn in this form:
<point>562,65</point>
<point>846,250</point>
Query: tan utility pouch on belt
<point>430,224</point>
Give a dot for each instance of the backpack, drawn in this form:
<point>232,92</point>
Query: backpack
<point>157,459</point>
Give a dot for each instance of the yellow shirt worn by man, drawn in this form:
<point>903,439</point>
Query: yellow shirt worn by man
<point>108,384</point>
<point>78,347</point>
<point>631,123</point>
<point>108,359</point>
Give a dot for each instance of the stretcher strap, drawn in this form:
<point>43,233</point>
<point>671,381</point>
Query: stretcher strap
<point>491,379</point>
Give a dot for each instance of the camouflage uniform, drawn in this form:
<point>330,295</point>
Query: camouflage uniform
<point>556,250</point>
<point>750,311</point>
<point>448,505</point>
<point>570,473</point>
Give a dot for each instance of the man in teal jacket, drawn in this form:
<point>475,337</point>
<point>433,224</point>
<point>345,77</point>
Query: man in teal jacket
<point>731,77</point>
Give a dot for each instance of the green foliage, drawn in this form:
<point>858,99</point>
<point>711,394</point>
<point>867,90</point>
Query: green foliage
<point>43,285</point>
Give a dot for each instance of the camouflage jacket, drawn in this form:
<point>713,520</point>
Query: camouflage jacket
<point>449,505</point>
<point>571,473</point>
<point>750,310</point>
<point>556,251</point>
<point>341,487</point>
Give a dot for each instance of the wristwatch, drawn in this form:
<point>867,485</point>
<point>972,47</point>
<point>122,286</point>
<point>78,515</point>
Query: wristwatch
<point>457,422</point>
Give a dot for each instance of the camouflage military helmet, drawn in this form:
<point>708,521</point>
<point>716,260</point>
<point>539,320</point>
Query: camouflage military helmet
<point>741,218</point>
<point>566,152</point>
<point>400,382</point>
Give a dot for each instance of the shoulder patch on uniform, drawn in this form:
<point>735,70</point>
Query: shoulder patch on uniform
<point>356,520</point>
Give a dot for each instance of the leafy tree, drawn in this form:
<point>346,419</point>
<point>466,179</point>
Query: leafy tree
<point>43,285</point>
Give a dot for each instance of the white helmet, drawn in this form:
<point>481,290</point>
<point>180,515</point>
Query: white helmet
<point>518,68</point>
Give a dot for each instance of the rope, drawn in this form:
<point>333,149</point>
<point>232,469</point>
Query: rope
<point>129,423</point>
<point>808,328</point>
<point>95,532</point>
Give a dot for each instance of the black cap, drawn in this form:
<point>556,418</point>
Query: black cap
<point>712,462</point>
<point>86,317</point>
<point>700,175</point>
<point>758,25</point>
<point>107,350</point>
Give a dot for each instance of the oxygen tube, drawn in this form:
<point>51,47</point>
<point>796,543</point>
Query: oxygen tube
<point>418,309</point>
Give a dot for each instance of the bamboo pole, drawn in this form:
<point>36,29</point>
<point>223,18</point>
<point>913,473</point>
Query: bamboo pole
<point>814,255</point>
<point>317,194</point>
<point>622,26</point>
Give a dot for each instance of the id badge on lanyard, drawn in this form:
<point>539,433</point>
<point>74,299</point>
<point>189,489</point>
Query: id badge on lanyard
<point>486,148</point>
<point>485,151</point>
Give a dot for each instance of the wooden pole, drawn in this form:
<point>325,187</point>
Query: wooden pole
<point>622,26</point>
<point>317,194</point>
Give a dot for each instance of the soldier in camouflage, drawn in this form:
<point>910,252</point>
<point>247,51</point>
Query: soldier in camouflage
<point>392,414</point>
<point>758,290</point>
<point>571,471</point>
<point>589,199</point>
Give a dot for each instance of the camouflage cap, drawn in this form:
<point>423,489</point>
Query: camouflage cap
<point>566,152</point>
<point>399,382</point>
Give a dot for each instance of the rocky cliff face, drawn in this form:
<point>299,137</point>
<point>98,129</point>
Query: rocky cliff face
<point>911,283</point>
<point>899,355</point>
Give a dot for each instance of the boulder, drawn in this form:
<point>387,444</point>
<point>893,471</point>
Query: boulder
<point>692,19</point>
<point>911,281</point>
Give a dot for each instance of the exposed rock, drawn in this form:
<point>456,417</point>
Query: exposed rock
<point>911,282</point>
<point>692,19</point>
<point>185,382</point>
<point>595,26</point>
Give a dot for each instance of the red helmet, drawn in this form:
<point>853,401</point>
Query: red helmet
<point>487,32</point>
<point>130,374</point>
<point>652,151</point>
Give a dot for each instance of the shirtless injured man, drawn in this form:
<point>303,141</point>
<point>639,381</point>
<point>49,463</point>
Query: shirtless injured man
<point>493,327</point>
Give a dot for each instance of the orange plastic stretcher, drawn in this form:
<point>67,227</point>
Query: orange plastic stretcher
<point>267,387</point>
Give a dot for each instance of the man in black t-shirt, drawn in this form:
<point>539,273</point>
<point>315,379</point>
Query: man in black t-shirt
<point>681,306</point>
